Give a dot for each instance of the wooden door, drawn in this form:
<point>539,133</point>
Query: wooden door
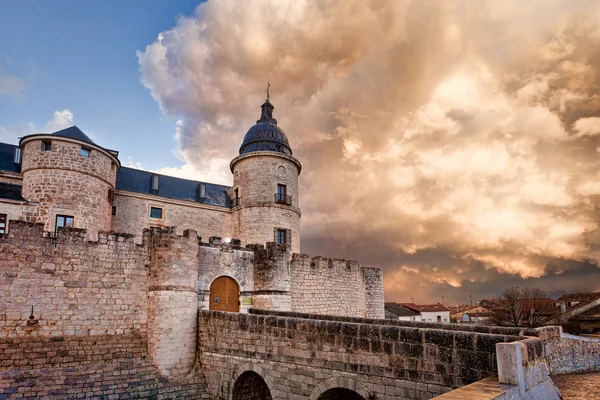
<point>225,295</point>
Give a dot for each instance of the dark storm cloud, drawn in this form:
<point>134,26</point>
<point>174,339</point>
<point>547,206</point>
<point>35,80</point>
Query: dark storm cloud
<point>452,143</point>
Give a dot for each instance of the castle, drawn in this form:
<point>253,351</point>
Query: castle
<point>66,182</point>
<point>117,283</point>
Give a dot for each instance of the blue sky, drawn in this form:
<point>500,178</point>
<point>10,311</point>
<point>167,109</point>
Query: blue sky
<point>81,56</point>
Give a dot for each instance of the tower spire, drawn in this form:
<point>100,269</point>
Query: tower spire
<point>267,108</point>
<point>268,93</point>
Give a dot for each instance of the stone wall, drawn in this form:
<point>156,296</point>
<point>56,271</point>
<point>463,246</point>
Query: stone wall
<point>374,302</point>
<point>256,176</point>
<point>172,300</point>
<point>572,354</point>
<point>545,333</point>
<point>89,335</point>
<point>335,287</point>
<point>91,366</point>
<point>272,277</point>
<point>133,216</point>
<point>65,183</point>
<point>223,260</point>
<point>76,287</point>
<point>300,357</point>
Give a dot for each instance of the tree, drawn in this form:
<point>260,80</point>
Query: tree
<point>522,307</point>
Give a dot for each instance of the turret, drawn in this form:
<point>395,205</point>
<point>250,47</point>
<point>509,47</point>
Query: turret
<point>70,178</point>
<point>265,186</point>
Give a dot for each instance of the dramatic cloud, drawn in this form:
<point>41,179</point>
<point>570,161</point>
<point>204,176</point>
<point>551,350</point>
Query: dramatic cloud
<point>453,144</point>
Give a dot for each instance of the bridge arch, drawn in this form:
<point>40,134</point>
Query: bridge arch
<point>339,388</point>
<point>251,384</point>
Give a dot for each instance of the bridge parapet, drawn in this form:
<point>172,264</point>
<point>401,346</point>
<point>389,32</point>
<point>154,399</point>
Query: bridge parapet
<point>298,354</point>
<point>542,333</point>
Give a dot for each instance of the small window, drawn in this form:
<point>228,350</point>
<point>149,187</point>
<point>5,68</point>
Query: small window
<point>154,184</point>
<point>281,195</point>
<point>201,192</point>
<point>17,156</point>
<point>281,236</point>
<point>111,196</point>
<point>46,145</point>
<point>84,152</point>
<point>63,221</point>
<point>3,224</point>
<point>156,212</point>
<point>114,210</point>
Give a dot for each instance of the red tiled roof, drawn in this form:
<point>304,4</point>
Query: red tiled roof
<point>580,297</point>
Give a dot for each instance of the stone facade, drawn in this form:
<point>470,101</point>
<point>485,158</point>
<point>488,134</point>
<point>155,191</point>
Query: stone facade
<point>256,176</point>
<point>76,287</point>
<point>132,215</point>
<point>60,181</point>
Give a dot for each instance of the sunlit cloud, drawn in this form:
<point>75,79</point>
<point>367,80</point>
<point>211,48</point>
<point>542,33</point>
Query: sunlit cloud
<point>453,138</point>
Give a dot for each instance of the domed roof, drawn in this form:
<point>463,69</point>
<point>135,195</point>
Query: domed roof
<point>266,135</point>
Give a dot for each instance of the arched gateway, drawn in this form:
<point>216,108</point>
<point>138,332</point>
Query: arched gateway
<point>251,386</point>
<point>225,295</point>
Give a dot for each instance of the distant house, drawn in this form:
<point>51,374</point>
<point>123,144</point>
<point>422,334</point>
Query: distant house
<point>567,302</point>
<point>397,311</point>
<point>458,312</point>
<point>578,312</point>
<point>430,312</point>
<point>469,314</point>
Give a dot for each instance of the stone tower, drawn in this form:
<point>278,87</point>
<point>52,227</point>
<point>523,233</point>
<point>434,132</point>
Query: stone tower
<point>265,186</point>
<point>70,178</point>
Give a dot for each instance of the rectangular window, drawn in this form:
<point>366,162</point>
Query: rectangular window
<point>84,152</point>
<point>63,221</point>
<point>154,183</point>
<point>17,156</point>
<point>156,212</point>
<point>46,145</point>
<point>114,210</point>
<point>3,224</point>
<point>281,236</point>
<point>281,192</point>
<point>201,192</point>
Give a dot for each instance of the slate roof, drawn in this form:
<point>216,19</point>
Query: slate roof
<point>10,192</point>
<point>399,310</point>
<point>73,132</point>
<point>265,135</point>
<point>135,180</point>
<point>7,152</point>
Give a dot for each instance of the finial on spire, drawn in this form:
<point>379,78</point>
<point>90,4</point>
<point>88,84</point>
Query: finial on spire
<point>268,93</point>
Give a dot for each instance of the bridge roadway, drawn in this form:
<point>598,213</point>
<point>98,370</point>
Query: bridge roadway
<point>280,355</point>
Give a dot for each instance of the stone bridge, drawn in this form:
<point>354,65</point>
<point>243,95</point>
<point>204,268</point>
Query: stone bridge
<point>283,355</point>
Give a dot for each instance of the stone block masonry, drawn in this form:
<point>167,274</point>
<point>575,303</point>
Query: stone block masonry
<point>335,287</point>
<point>299,357</point>
<point>98,306</point>
<point>76,287</point>
<point>96,367</point>
<point>172,300</point>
